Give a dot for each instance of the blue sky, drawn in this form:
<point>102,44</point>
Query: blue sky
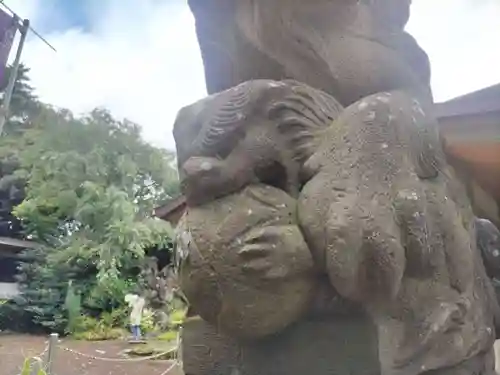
<point>60,15</point>
<point>140,58</point>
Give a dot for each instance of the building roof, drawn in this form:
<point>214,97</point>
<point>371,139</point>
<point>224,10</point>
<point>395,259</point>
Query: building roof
<point>170,206</point>
<point>471,126</point>
<point>16,244</point>
<point>482,101</point>
<point>11,247</point>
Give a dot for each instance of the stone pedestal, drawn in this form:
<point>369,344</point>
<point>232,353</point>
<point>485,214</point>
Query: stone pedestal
<point>335,346</point>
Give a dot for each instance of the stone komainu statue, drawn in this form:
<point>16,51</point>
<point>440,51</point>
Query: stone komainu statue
<point>325,232</point>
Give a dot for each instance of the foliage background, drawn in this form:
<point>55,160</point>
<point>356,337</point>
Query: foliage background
<point>84,189</point>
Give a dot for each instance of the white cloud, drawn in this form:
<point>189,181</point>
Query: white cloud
<point>142,61</point>
<point>462,39</point>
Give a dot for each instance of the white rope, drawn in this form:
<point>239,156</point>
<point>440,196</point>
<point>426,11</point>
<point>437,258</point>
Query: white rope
<point>44,351</point>
<point>38,357</point>
<point>170,368</point>
<point>177,361</point>
<point>38,362</point>
<point>119,359</point>
<point>174,350</point>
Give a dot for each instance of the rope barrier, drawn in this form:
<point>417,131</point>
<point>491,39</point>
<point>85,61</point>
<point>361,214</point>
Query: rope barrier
<point>41,364</point>
<point>44,351</point>
<point>176,360</point>
<point>38,361</point>
<point>119,359</point>
<point>174,350</point>
<point>170,368</point>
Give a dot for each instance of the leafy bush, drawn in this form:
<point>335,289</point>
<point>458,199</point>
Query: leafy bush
<point>5,316</point>
<point>12,319</point>
<point>168,336</point>
<point>109,326</point>
<point>110,296</point>
<point>100,334</point>
<point>92,329</point>
<point>27,368</point>
<point>73,305</point>
<point>147,321</point>
<point>177,317</point>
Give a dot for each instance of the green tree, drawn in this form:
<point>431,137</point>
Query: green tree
<point>24,104</point>
<point>24,108</point>
<point>91,186</point>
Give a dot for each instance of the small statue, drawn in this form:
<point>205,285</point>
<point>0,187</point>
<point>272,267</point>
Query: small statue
<point>136,304</point>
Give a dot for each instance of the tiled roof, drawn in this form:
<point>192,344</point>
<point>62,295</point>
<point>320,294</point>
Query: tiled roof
<point>482,101</point>
<point>170,206</point>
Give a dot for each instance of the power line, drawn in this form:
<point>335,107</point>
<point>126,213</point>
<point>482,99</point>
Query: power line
<point>23,27</point>
<point>30,28</point>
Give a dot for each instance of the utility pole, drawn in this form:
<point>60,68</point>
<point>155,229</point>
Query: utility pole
<point>4,111</point>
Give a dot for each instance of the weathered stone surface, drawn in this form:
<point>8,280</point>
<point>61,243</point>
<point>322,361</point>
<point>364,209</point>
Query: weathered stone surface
<point>347,48</point>
<point>325,198</point>
<point>249,271</point>
<point>381,213</point>
<point>258,131</point>
<point>488,243</point>
<point>340,345</point>
<point>392,224</point>
<point>488,239</point>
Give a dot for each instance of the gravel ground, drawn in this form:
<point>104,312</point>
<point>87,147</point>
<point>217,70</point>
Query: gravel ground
<point>15,348</point>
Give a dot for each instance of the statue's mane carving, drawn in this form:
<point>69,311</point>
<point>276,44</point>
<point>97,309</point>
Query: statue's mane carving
<point>302,116</point>
<point>225,124</point>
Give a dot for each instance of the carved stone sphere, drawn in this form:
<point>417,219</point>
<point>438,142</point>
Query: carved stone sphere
<point>247,270</point>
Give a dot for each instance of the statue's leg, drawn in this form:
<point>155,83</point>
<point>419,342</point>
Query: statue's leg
<point>482,364</point>
<point>393,228</point>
